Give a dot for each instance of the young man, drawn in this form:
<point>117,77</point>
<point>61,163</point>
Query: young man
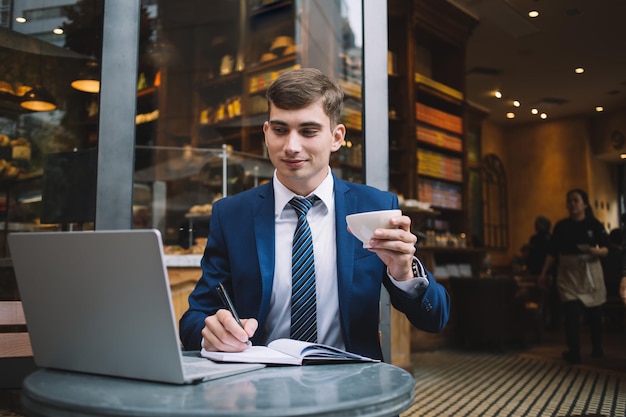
<point>249,247</point>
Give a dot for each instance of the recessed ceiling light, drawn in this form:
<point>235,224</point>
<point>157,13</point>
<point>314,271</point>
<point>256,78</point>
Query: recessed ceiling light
<point>510,115</point>
<point>579,70</point>
<point>20,19</point>
<point>622,155</point>
<point>533,13</point>
<point>57,31</point>
<point>497,94</point>
<point>516,103</point>
<point>599,108</point>
<point>543,116</point>
<point>534,111</point>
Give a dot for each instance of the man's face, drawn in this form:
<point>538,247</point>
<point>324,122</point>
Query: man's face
<point>299,143</point>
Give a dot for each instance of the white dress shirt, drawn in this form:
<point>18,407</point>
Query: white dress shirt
<point>321,218</point>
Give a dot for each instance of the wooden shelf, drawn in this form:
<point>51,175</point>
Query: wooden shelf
<point>438,89</point>
<point>428,40</point>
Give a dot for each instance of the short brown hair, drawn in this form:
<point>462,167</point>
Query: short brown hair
<point>299,88</point>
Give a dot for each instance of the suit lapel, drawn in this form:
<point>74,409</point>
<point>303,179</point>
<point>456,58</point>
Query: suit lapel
<point>264,233</point>
<point>345,203</point>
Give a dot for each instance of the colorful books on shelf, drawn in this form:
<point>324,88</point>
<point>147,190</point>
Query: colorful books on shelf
<point>436,117</point>
<point>440,194</point>
<point>438,138</point>
<point>438,165</point>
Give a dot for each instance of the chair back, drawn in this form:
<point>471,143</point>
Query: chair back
<point>14,340</point>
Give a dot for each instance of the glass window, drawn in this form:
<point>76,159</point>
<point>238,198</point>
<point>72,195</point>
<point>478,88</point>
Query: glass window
<point>203,72</point>
<point>48,127</point>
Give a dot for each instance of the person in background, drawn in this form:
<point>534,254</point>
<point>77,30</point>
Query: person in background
<point>612,269</point>
<point>537,253</point>
<point>538,245</point>
<point>578,243</point>
<point>249,246</point>
<point>518,266</point>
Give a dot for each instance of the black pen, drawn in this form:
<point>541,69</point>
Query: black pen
<point>229,305</point>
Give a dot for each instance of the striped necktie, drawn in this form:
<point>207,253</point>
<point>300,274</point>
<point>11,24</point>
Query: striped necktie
<point>303,310</point>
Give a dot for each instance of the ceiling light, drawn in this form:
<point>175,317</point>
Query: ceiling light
<point>57,31</point>
<point>533,13</point>
<point>497,94</point>
<point>20,19</point>
<point>516,103</point>
<point>579,70</point>
<point>543,116</point>
<point>38,99</point>
<point>599,108</point>
<point>622,155</point>
<point>89,79</point>
<point>534,111</point>
<point>510,115</point>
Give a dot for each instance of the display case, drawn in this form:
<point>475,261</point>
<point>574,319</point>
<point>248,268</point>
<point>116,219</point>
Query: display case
<point>176,193</point>
<point>235,64</point>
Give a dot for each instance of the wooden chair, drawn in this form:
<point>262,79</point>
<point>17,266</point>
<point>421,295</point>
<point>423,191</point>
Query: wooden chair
<point>14,341</point>
<point>16,355</point>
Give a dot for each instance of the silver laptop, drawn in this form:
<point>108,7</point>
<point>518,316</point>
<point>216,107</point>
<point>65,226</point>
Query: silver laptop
<point>99,302</point>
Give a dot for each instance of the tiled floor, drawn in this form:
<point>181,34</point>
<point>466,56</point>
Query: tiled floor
<point>614,344</point>
<point>504,384</point>
<point>550,347</point>
<point>532,380</point>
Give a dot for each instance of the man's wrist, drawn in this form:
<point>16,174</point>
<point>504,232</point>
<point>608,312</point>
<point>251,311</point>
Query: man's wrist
<point>415,285</point>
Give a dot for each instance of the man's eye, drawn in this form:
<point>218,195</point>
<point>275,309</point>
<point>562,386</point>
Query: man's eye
<point>280,130</point>
<point>309,132</point>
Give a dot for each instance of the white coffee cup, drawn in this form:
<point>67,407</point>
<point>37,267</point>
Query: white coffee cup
<point>362,225</point>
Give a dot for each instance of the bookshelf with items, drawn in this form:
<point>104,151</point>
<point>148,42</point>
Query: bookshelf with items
<point>428,153</point>
<point>440,152</point>
<point>401,125</point>
<point>427,40</point>
<point>271,49</point>
<point>348,161</point>
<point>427,122</point>
<point>240,61</point>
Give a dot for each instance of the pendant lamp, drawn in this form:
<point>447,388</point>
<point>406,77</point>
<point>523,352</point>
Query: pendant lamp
<point>89,79</point>
<point>38,99</point>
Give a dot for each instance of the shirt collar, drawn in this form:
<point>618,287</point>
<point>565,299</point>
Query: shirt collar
<point>282,194</point>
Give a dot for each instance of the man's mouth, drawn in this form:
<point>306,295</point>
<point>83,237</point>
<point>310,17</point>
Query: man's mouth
<point>293,162</point>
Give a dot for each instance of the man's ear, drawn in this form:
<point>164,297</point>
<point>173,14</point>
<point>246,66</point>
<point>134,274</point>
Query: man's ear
<point>266,126</point>
<point>339,134</point>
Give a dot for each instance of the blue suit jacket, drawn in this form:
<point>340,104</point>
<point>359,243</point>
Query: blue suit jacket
<point>240,253</point>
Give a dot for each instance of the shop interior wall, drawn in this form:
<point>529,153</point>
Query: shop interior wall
<point>543,161</point>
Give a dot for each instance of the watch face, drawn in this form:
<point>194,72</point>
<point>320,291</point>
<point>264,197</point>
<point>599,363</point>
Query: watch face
<point>617,139</point>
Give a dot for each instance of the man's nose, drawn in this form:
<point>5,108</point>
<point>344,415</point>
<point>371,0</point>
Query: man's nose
<point>293,141</point>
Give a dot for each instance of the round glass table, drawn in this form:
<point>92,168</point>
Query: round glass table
<point>356,389</point>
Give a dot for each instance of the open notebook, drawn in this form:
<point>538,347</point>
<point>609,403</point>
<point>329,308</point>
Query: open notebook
<point>289,352</point>
<point>100,302</point>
